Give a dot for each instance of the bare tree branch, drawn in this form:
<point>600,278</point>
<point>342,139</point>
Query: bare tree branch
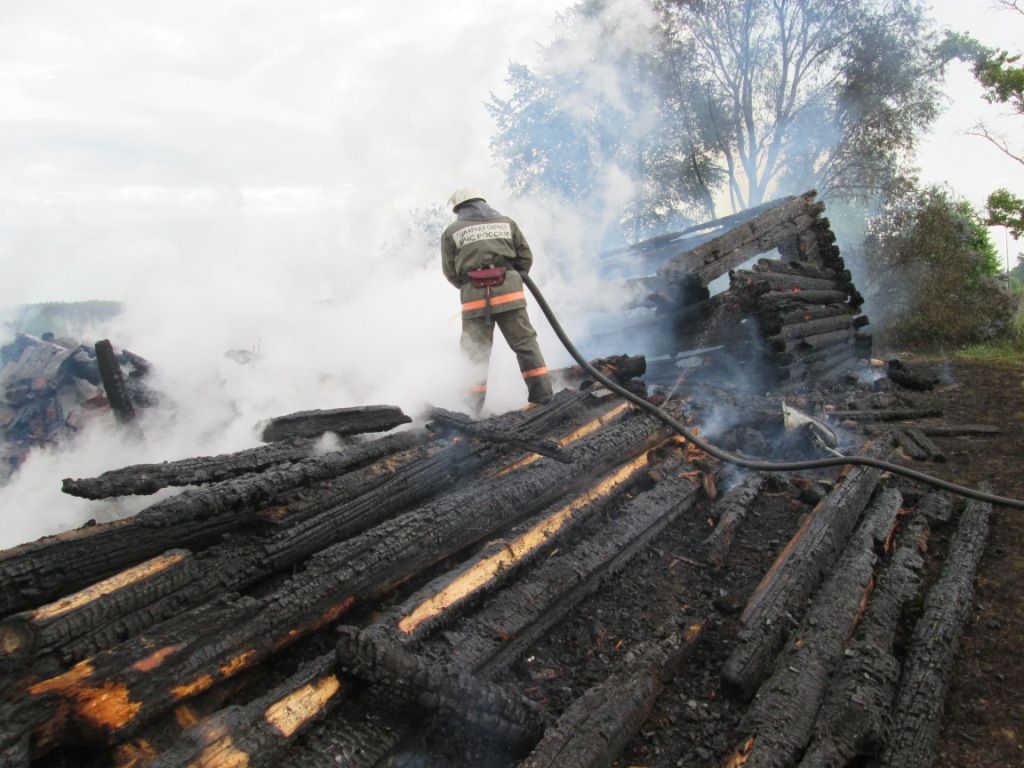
<point>983,132</point>
<point>1008,5</point>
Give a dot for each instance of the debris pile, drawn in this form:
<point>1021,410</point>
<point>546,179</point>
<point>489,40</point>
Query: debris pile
<point>51,388</point>
<point>201,630</point>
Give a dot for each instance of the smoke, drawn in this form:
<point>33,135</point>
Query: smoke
<point>230,172</point>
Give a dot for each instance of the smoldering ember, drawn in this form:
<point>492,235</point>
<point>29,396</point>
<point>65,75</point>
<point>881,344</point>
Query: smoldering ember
<point>562,585</point>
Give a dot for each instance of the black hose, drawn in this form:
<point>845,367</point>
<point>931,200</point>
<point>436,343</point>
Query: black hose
<point>732,458</point>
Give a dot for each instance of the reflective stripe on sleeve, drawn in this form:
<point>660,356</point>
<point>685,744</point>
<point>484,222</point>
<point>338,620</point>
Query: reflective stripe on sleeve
<point>505,298</point>
<point>534,372</point>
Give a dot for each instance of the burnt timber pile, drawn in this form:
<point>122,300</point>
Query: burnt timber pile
<point>530,589</point>
<point>792,315</point>
<point>427,597</point>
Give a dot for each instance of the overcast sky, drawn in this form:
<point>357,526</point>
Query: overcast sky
<point>144,141</point>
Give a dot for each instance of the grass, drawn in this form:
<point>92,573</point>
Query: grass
<point>1006,352</point>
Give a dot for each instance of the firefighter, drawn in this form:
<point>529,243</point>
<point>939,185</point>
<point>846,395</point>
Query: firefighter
<point>482,254</point>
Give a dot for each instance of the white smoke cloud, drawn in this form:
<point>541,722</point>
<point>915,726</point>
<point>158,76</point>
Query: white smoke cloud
<point>230,171</point>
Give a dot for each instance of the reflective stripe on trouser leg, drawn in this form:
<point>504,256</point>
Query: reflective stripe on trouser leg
<point>518,332</point>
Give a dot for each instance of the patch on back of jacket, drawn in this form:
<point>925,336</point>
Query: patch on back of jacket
<point>496,230</point>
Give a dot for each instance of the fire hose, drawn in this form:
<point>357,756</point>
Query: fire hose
<point>742,461</point>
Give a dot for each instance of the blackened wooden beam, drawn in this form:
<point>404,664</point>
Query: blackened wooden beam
<point>780,721</point>
<point>731,249</point>
<point>500,710</point>
<point>113,383</point>
<point>246,735</point>
<point>952,430</point>
<point>144,479</point>
<point>729,512</point>
<point>340,421</point>
<point>596,727</point>
<point>856,707</point>
<point>768,617</point>
<point>344,507</point>
<point>449,596</point>
<point>762,282</point>
<point>41,571</point>
<point>934,453</point>
<point>913,735</point>
<point>893,414</point>
<point>50,628</point>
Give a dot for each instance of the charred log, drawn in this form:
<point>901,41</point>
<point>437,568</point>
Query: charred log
<point>768,616</point>
<point>44,570</point>
<point>444,420</point>
<point>51,627</point>
<point>249,735</point>
<point>764,232</point>
<point>346,507</point>
<point>955,430</point>
<point>913,735</point>
<point>113,383</point>
<point>781,718</point>
<point>502,711</point>
<point>729,511</point>
<point>894,414</point>
<point>931,450</point>
<point>340,421</point>
<point>144,479</point>
<point>597,726</point>
<point>498,562</point>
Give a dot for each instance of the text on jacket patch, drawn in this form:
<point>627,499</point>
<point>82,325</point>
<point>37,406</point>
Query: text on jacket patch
<point>492,231</point>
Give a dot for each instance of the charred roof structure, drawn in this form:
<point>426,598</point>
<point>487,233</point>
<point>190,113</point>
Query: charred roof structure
<point>519,590</point>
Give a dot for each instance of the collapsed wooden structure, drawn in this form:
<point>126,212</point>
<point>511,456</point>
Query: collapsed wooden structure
<point>296,605</point>
<point>792,315</point>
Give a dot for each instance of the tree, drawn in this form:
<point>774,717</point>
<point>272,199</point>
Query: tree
<point>1003,81</point>
<point>932,272</point>
<point>760,97</point>
<point>596,116</point>
<point>805,92</point>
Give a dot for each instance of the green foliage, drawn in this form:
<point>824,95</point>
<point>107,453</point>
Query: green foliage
<point>933,274</point>
<point>1003,82</point>
<point>1005,209</point>
<point>1005,351</point>
<point>685,99</point>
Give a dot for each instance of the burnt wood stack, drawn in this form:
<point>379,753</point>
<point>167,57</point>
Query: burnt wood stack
<point>792,316</point>
<point>200,632</point>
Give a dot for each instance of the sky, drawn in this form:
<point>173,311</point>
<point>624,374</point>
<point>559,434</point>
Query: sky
<point>232,168</point>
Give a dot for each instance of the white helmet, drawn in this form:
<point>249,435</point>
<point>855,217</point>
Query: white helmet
<point>462,195</point>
